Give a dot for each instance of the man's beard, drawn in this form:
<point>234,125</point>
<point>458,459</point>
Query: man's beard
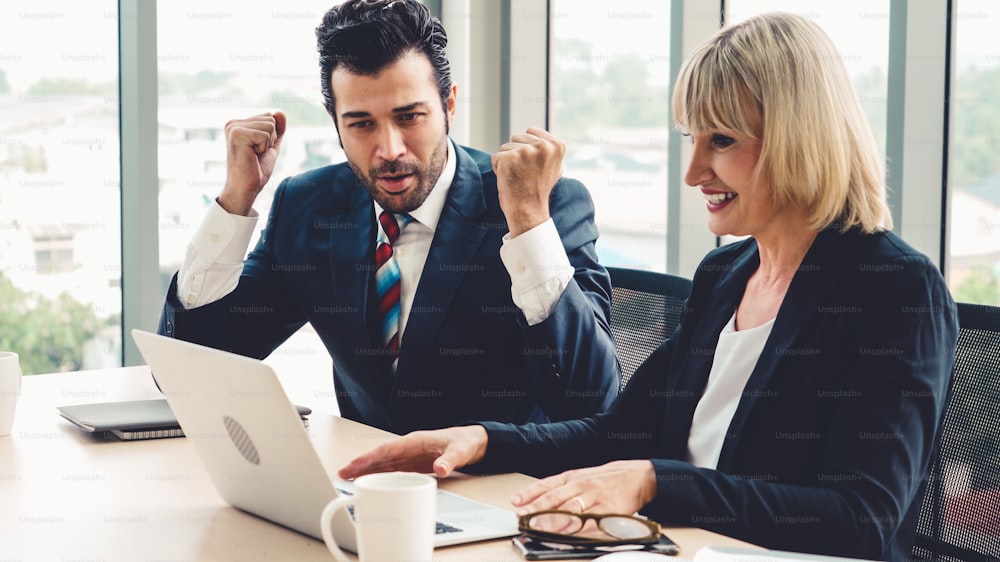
<point>425,179</point>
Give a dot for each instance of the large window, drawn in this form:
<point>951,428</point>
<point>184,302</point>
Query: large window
<point>609,101</point>
<point>217,61</point>
<point>974,167</point>
<point>609,87</point>
<point>60,265</point>
<point>60,204</point>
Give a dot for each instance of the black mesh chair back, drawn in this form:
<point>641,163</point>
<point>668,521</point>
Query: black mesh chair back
<point>645,308</point>
<point>960,513</point>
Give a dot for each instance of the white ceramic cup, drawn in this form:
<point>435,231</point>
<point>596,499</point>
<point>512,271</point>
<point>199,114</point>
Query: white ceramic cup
<point>394,517</point>
<point>10,390</point>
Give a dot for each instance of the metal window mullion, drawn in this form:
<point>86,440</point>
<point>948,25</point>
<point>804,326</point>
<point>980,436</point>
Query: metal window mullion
<point>435,7</point>
<point>688,239</point>
<point>456,16</point>
<point>524,66</point>
<point>480,95</point>
<point>140,281</point>
<point>916,122</point>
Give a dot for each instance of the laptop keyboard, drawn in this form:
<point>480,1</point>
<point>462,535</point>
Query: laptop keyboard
<point>440,529</point>
<point>443,528</point>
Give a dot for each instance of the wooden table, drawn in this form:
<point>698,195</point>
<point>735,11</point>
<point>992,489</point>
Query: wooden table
<point>66,495</point>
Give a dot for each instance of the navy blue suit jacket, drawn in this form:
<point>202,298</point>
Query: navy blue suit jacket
<point>467,352</point>
<point>830,443</point>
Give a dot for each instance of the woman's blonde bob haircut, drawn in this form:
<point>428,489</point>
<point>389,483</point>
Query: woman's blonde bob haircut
<point>777,78</point>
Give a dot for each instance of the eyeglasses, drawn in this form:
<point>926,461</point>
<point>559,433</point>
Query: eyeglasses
<point>589,529</point>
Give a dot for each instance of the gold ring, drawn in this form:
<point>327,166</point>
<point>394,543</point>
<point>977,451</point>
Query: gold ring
<point>583,507</point>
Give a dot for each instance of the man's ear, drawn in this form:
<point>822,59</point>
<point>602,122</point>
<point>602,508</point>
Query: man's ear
<point>452,104</point>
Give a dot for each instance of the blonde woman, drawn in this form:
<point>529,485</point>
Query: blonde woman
<point>796,404</point>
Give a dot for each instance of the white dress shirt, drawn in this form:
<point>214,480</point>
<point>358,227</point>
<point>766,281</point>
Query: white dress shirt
<point>735,357</point>
<point>536,260</point>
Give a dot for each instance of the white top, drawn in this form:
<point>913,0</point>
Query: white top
<point>536,260</point>
<point>736,356</point>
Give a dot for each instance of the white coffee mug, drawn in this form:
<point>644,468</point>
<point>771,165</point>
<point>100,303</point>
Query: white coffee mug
<point>10,390</point>
<point>394,517</point>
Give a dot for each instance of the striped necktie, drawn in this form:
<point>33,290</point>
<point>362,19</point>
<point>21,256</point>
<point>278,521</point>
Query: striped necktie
<point>387,280</point>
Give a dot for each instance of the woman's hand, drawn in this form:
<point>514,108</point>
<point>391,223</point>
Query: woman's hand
<point>440,451</point>
<point>615,487</point>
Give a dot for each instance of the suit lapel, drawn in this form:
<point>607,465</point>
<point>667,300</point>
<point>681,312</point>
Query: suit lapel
<point>818,275</point>
<point>352,265</point>
<point>688,383</point>
<point>458,236</point>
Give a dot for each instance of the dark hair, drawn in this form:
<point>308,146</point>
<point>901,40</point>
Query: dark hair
<point>365,36</point>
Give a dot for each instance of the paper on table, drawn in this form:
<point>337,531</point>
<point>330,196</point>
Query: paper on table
<point>736,554</point>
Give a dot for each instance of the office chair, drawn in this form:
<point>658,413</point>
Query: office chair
<point>645,308</point>
<point>960,513</point>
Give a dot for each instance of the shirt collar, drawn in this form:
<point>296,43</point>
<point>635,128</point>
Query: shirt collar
<point>429,212</point>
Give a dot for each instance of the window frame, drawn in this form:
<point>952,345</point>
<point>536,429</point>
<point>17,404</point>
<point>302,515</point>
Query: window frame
<point>138,123</point>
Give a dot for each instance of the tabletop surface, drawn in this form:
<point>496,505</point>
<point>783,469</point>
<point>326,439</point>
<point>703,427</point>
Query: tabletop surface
<point>68,495</point>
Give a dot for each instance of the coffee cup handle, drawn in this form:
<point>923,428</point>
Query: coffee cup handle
<point>327,518</point>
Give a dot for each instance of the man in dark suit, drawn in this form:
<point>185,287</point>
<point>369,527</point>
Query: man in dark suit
<point>486,300</point>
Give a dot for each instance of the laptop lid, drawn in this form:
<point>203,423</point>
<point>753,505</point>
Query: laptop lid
<point>251,441</point>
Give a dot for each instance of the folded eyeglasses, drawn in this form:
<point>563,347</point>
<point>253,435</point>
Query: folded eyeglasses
<point>589,529</point>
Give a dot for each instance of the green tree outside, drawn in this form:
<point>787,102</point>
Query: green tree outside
<point>204,80</point>
<point>68,86</point>
<point>299,110</point>
<point>982,287</point>
<point>589,91</point>
<point>48,335</point>
<point>975,141</point>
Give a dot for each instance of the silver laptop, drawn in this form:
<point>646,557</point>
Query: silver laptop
<point>252,442</point>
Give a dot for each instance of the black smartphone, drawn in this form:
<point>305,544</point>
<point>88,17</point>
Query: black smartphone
<point>535,549</point>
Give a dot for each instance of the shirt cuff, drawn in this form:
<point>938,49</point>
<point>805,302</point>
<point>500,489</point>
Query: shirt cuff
<point>539,270</point>
<point>223,238</point>
<point>214,259</point>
